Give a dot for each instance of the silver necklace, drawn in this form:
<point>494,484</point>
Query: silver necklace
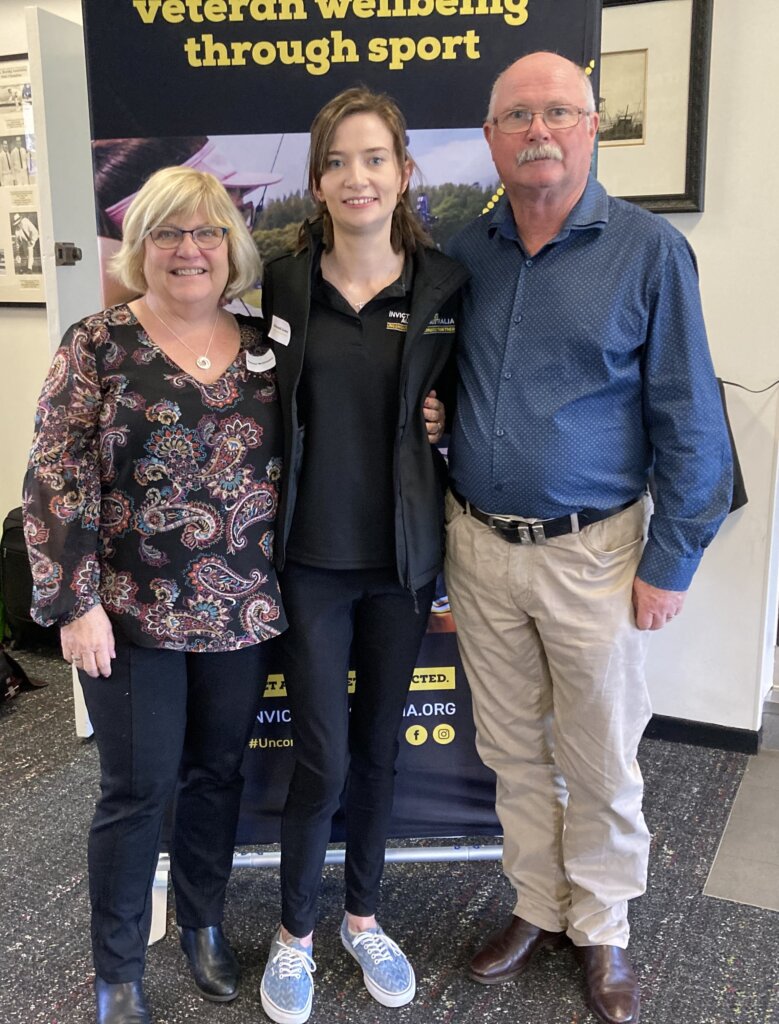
<point>203,362</point>
<point>346,292</point>
<point>337,279</point>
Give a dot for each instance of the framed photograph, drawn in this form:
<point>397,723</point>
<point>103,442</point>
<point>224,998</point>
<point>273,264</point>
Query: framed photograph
<point>653,101</point>
<point>622,98</point>
<point>21,278</point>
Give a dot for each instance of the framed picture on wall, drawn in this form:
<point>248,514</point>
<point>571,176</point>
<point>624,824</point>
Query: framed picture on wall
<point>653,100</point>
<point>21,280</point>
<point>622,99</point>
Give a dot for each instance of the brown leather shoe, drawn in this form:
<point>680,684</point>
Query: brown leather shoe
<point>508,952</point>
<point>612,987</point>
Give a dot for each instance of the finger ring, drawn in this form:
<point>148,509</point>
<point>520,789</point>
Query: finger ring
<point>74,659</point>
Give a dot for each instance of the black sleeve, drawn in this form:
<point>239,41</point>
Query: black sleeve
<point>446,383</point>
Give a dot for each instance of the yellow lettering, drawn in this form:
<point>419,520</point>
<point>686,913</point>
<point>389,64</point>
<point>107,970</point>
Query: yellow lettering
<point>195,10</point>
<point>517,12</point>
<point>263,53</point>
<point>291,52</point>
<point>292,10</point>
<point>442,678</point>
<point>398,51</point>
<point>214,54</point>
<point>173,11</point>
<point>318,56</point>
<point>333,8</point>
<point>514,13</point>
<point>214,10</point>
<point>377,51</point>
<point>450,47</point>
<point>420,8</point>
<point>266,10</point>
<point>275,686</point>
<point>192,50</point>
<point>239,51</point>
<point>344,50</point>
<point>147,9</point>
<point>429,48</point>
<point>402,50</point>
<point>471,41</point>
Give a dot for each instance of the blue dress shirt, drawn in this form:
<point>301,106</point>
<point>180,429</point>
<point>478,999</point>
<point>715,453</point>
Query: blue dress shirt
<point>584,368</point>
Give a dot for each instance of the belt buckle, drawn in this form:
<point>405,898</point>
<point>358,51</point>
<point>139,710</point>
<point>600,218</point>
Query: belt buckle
<point>538,532</point>
<point>517,531</point>
<point>524,534</point>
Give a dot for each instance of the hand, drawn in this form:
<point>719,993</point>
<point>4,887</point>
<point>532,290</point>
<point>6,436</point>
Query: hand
<point>88,642</point>
<point>435,418</point>
<point>653,606</point>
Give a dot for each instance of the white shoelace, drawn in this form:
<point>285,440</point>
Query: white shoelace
<point>379,947</point>
<point>292,961</point>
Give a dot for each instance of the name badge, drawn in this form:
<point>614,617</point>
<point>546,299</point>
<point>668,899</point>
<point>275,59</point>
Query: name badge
<point>280,331</point>
<point>261,363</point>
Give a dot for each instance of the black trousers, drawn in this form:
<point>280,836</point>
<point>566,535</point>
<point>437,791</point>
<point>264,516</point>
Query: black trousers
<point>340,619</point>
<point>165,722</point>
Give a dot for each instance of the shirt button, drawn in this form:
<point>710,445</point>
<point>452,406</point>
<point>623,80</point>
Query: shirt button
<point>507,375</point>
<point>500,432</point>
<point>518,319</point>
<point>528,263</point>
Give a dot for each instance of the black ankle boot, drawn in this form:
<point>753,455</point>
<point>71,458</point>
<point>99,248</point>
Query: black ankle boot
<point>212,962</point>
<point>121,1003</point>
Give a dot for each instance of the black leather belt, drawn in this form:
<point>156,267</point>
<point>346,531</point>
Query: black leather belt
<point>519,531</point>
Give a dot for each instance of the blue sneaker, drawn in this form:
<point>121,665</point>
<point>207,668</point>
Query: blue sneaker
<point>287,988</point>
<point>387,974</point>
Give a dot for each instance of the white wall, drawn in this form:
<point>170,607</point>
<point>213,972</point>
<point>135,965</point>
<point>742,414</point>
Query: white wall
<point>713,664</point>
<point>24,346</point>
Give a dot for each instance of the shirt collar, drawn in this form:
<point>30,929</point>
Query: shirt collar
<point>323,291</point>
<point>591,212</point>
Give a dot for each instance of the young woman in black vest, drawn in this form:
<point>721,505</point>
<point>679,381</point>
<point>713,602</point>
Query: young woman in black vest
<point>362,322</point>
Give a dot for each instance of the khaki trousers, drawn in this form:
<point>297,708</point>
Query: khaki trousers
<point>556,668</point>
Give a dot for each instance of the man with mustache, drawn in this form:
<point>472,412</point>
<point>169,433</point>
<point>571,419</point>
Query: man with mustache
<point>583,365</point>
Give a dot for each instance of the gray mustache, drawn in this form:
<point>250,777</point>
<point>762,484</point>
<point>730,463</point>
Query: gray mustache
<point>543,151</point>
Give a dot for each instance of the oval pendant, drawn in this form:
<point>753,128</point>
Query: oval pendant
<point>203,362</point>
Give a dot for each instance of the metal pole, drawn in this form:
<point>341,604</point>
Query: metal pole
<point>393,855</point>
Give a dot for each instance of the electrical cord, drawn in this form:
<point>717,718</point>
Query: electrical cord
<point>753,391</point>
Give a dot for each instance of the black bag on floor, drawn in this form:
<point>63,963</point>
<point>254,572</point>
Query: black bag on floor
<point>13,678</point>
<point>16,587</point>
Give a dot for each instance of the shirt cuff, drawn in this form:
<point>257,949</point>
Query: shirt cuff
<point>659,568</point>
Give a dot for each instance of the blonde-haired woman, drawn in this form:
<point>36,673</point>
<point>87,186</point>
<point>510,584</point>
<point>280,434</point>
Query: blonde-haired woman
<point>150,503</point>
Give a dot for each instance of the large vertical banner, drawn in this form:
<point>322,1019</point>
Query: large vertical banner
<point>231,86</point>
<point>21,281</point>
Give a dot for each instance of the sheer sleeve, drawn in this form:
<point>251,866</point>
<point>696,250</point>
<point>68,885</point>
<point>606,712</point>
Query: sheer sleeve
<point>62,486</point>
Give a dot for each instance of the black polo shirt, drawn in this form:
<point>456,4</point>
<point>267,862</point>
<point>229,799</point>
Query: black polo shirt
<point>348,400</point>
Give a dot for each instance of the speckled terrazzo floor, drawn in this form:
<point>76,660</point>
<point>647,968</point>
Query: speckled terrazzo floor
<point>701,960</point>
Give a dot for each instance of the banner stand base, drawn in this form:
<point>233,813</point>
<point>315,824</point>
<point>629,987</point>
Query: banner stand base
<point>393,855</point>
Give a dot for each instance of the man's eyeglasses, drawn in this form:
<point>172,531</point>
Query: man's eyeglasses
<point>207,237</point>
<point>514,122</point>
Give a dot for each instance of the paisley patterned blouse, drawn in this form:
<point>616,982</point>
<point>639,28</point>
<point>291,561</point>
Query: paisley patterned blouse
<point>153,493</point>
